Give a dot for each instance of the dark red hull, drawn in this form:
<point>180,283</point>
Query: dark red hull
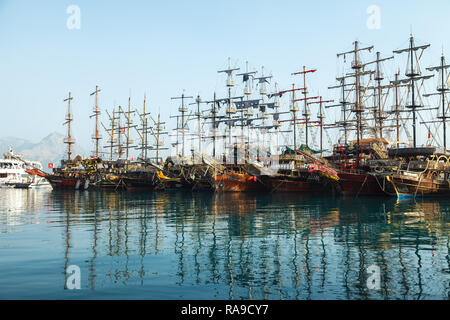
<point>360,184</point>
<point>60,182</point>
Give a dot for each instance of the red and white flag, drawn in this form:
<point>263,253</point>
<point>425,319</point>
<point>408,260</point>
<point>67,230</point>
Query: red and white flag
<point>50,165</point>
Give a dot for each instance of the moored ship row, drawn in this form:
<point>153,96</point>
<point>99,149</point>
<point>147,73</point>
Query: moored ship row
<point>250,142</point>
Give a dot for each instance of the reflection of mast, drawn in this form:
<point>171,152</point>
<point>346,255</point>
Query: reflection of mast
<point>347,261</point>
<point>94,250</point>
<point>69,141</point>
<point>362,264</point>
<point>324,256</point>
<point>385,275</point>
<point>179,246</point>
<point>230,267</point>
<point>213,250</point>
<point>295,257</point>
<point>400,257</point>
<point>66,252</point>
<point>419,265</point>
<point>143,243</point>
<point>127,258</point>
<point>308,268</point>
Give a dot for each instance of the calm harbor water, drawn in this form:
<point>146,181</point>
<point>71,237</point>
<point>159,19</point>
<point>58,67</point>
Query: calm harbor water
<point>212,246</point>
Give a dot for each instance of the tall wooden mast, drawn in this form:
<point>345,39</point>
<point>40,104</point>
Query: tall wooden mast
<point>442,90</point>
<point>305,94</point>
<point>397,110</point>
<point>127,114</point>
<point>246,79</point>
<point>356,66</point>
<point>111,134</point>
<point>321,117</point>
<point>183,111</point>
<point>96,113</point>
<point>69,118</point>
<point>413,74</point>
<point>157,132</point>
<point>198,114</point>
<point>119,134</point>
<point>113,122</point>
<point>344,123</point>
<point>144,130</point>
<point>293,110</point>
<point>230,84</point>
<point>378,107</point>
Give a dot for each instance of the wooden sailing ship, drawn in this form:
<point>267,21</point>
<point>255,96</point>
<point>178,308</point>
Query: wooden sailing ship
<point>428,176</point>
<point>71,174</point>
<point>425,171</point>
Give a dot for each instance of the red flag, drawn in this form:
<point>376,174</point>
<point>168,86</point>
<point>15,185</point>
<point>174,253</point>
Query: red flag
<point>429,134</point>
<point>398,71</point>
<point>50,165</point>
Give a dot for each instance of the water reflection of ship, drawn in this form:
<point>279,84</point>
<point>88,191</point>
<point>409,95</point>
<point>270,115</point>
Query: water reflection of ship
<point>16,203</point>
<point>259,253</point>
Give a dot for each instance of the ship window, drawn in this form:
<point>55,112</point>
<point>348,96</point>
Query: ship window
<point>3,175</point>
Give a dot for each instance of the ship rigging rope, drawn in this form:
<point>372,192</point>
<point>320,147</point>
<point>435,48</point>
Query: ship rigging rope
<point>362,185</point>
<point>383,188</point>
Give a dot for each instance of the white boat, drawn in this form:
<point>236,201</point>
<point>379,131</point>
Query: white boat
<point>13,174</point>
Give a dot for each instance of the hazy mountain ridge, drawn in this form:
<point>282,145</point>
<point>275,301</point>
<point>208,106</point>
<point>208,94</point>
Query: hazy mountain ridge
<point>50,149</point>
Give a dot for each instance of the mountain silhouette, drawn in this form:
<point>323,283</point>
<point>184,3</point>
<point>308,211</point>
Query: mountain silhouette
<point>50,149</point>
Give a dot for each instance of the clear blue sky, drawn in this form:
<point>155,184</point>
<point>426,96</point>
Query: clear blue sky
<point>163,47</point>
